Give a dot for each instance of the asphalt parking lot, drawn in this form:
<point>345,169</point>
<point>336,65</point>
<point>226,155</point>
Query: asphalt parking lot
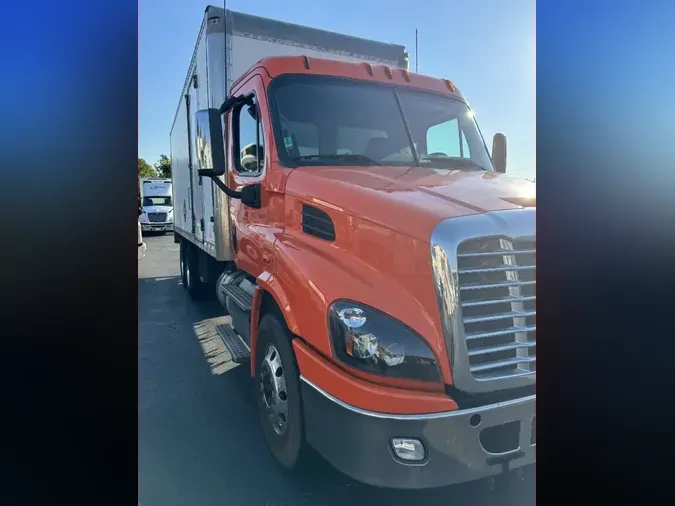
<point>200,442</point>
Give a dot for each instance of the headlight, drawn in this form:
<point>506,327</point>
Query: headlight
<point>373,342</point>
<point>143,218</point>
<point>169,217</point>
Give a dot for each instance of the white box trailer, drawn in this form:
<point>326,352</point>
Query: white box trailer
<point>229,43</point>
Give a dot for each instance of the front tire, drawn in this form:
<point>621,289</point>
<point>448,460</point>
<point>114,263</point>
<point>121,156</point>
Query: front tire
<point>278,393</point>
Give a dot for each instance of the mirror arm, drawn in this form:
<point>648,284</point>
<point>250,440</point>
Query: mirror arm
<point>223,187</point>
<point>231,102</point>
<point>250,195</point>
<point>227,105</point>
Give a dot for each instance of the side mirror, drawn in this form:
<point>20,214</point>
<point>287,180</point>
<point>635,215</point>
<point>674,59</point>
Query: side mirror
<point>209,143</point>
<point>499,152</point>
<point>210,146</point>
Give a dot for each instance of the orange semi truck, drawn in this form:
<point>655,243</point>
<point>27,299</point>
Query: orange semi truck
<point>378,266</point>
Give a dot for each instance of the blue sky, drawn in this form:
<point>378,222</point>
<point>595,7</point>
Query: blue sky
<point>487,47</point>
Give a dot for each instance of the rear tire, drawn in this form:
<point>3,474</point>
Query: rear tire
<point>182,260</point>
<point>189,270</point>
<point>278,393</point>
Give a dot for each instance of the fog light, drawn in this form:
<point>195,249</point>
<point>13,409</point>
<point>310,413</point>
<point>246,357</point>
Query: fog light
<point>408,449</point>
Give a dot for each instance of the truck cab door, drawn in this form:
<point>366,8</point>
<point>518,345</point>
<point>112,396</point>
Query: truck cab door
<point>249,163</point>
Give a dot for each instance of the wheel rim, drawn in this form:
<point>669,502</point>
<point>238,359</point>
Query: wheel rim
<point>188,274</point>
<point>273,390</point>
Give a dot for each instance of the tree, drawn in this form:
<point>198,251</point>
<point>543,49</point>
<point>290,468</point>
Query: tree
<point>145,169</point>
<point>163,166</point>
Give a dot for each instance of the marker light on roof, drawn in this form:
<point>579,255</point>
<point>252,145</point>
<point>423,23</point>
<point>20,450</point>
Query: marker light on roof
<point>449,84</point>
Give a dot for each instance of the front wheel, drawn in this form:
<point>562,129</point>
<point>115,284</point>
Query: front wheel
<point>278,393</point>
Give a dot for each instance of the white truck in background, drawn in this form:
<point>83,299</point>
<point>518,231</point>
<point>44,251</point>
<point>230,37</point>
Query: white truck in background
<point>157,205</point>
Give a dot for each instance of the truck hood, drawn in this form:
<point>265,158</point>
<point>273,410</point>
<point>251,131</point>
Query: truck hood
<point>157,209</point>
<point>411,200</point>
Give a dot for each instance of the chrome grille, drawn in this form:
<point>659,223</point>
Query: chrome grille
<point>157,217</point>
<point>497,296</point>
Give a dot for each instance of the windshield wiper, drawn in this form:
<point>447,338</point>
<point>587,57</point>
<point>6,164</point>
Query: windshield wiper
<point>346,157</point>
<point>453,161</point>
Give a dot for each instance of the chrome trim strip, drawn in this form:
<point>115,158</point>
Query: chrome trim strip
<point>499,252</point>
<point>509,300</point>
<point>504,332</point>
<point>423,416</point>
<point>515,224</point>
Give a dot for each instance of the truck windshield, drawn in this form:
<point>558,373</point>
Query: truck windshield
<point>156,201</point>
<point>329,121</point>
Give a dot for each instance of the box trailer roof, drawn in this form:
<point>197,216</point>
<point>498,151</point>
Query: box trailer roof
<point>256,27</point>
<point>238,23</point>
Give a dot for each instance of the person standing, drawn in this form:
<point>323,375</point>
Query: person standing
<point>141,244</point>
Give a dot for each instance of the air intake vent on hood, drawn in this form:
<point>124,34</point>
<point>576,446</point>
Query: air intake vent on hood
<point>316,222</point>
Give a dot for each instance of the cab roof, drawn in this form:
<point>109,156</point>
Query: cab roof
<point>279,65</point>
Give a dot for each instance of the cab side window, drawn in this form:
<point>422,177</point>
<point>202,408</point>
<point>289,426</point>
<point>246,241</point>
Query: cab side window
<point>249,155</point>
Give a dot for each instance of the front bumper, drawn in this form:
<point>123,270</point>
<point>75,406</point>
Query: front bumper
<point>358,442</point>
<point>157,227</point>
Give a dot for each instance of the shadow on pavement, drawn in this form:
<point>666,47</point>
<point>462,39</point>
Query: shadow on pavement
<point>200,441</point>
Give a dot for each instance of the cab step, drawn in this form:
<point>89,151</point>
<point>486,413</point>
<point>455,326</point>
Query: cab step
<point>238,349</point>
<point>239,296</point>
